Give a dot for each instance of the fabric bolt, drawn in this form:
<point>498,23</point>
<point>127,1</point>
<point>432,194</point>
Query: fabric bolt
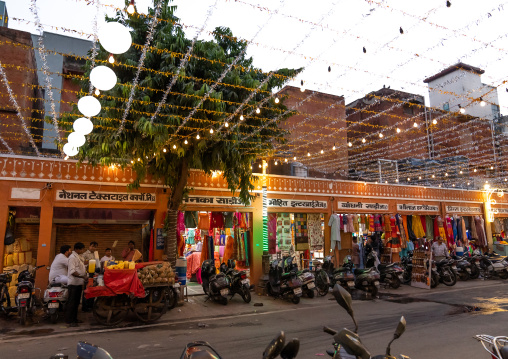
<point>272,233</point>
<point>388,223</point>
<point>241,247</point>
<point>480,229</point>
<point>246,247</point>
<point>204,221</point>
<point>371,223</point>
<point>350,227</point>
<point>228,219</point>
<point>424,224</point>
<point>190,236</point>
<point>283,231</point>
<point>410,232</point>
<point>430,228</point>
<point>356,224</point>
<point>417,226</point>
<point>334,223</point>
<point>204,251</point>
<point>316,239</point>
<point>217,220</point>
<point>436,228</point>
<point>474,232</point>
<point>377,223</point>
<point>190,219</point>
<point>345,223</point>
<point>247,220</point>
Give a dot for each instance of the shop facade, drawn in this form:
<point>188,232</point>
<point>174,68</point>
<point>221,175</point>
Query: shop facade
<point>58,202</point>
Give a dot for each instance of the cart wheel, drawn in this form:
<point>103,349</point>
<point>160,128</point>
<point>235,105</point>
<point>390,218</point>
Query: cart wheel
<point>151,307</point>
<point>110,310</point>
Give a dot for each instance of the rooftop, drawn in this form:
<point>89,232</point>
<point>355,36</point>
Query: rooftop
<point>457,66</point>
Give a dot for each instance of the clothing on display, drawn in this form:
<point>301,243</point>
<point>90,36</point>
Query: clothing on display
<point>417,227</point>
<point>316,239</point>
<point>411,234</point>
<point>350,226</point>
<point>228,219</point>
<point>334,223</point>
<point>482,238</point>
<point>429,224</point>
<point>284,231</point>
<point>377,223</point>
<point>301,232</point>
<point>204,221</point>
<point>272,232</point>
<point>191,219</point>
<point>440,224</point>
<point>356,223</point>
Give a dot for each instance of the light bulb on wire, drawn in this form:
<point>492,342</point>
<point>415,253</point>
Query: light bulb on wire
<point>211,130</point>
<point>334,148</point>
<point>197,136</point>
<point>226,125</point>
<point>294,158</point>
<point>174,147</point>
<point>276,100</point>
<point>350,144</point>
<point>241,117</point>
<point>111,59</point>
<point>164,150</point>
<point>482,103</point>
<point>462,110</point>
<point>398,130</point>
<point>285,159</point>
<point>185,142</point>
<point>258,111</point>
<point>308,154</point>
<point>434,122</point>
<point>322,151</point>
<point>364,140</point>
<point>474,170</point>
<point>415,124</point>
<point>130,8</point>
<point>381,135</point>
<point>97,92</point>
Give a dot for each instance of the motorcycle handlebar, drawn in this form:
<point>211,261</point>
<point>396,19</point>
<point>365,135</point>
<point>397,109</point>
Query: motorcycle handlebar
<point>329,331</point>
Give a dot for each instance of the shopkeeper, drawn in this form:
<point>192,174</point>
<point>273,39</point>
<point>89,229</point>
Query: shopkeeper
<point>439,249</point>
<point>131,254</point>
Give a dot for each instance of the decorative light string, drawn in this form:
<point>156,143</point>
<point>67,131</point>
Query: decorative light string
<point>94,42</point>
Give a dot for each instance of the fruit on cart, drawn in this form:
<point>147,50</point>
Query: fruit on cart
<point>157,274</point>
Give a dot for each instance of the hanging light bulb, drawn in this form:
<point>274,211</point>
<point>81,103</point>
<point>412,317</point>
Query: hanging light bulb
<point>197,136</point>
<point>415,124</point>
<point>241,117</point>
<point>66,158</point>
<point>448,3</point>
<point>434,122</point>
<point>226,125</point>
<point>308,154</point>
<point>386,181</point>
<point>474,170</point>
<point>329,69</point>
<point>139,159</point>
<point>446,174</point>
<point>211,130</point>
<point>174,147</point>
<point>350,144</point>
<point>439,185</point>
<point>398,130</point>
<point>453,185</point>
<point>294,158</point>
<point>111,59</point>
<point>460,172</point>
<point>364,140</point>
<point>381,135</point>
<point>185,142</point>
<point>482,103</point>
<point>506,179</point>
<point>132,162</point>
<point>491,167</point>
<point>461,109</point>
<point>276,163</point>
<point>433,176</point>
<point>130,8</point>
<point>333,148</point>
<point>258,111</point>
<point>322,151</point>
<point>285,159</point>
<point>97,92</point>
<point>302,88</point>
<point>401,30</point>
<point>397,180</point>
<point>468,183</point>
<point>260,166</point>
<point>276,100</point>
<point>164,150</point>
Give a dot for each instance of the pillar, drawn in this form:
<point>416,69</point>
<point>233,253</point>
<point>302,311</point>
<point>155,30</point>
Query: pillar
<point>45,243</point>
<point>256,262</point>
<point>160,215</point>
<point>488,224</point>
<point>4,214</point>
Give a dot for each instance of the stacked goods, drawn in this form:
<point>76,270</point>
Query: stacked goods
<point>157,274</point>
<point>120,265</point>
<point>18,253</point>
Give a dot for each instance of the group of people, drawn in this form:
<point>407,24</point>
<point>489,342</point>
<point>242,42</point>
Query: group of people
<point>70,268</point>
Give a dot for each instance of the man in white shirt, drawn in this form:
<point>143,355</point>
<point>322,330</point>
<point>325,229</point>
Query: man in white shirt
<point>58,271</point>
<point>439,249</point>
<point>76,279</point>
<point>86,305</point>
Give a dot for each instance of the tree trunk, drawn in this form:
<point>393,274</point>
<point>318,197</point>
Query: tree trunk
<point>173,206</point>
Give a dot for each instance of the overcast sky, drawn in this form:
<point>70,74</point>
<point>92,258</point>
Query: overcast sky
<point>317,34</point>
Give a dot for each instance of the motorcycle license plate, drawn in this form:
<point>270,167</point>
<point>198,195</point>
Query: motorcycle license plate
<point>297,291</point>
<point>53,305</point>
<point>376,283</point>
<point>224,292</point>
<point>454,267</point>
<point>23,295</point>
<point>311,285</point>
<point>468,269</point>
<point>245,281</point>
<point>351,284</point>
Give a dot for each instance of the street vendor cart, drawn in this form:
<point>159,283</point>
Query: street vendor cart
<point>149,291</point>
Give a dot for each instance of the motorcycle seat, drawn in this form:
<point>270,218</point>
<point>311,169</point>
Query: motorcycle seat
<point>53,285</point>
<point>286,275</point>
<point>361,271</point>
<point>385,266</point>
<point>306,270</point>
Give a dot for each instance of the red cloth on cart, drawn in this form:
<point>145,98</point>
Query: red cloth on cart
<point>118,281</point>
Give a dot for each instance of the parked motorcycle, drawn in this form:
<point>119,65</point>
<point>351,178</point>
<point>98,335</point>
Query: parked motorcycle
<point>238,281</point>
<point>25,294</point>
<point>283,285</point>
<point>407,265</point>
<point>55,298</point>
<point>215,285</point>
<point>446,270</point>
<point>347,344</point>
<point>390,274</point>
<point>494,265</point>
<point>5,298</point>
<point>328,276</point>
<point>464,268</point>
<point>496,346</point>
<point>474,260</point>
<point>305,275</point>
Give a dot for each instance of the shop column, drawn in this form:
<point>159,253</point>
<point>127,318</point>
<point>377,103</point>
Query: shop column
<point>4,213</point>
<point>160,215</point>
<point>45,244</point>
<point>488,227</point>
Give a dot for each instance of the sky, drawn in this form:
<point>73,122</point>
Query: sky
<point>322,33</point>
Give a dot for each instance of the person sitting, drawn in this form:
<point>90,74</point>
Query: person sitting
<point>107,257</point>
<point>131,254</point>
<point>58,270</point>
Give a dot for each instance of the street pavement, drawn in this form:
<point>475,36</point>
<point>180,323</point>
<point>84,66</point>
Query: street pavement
<point>441,323</point>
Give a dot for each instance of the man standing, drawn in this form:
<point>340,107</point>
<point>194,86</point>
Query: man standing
<point>59,267</point>
<point>439,250</point>
<point>90,253</point>
<point>76,276</point>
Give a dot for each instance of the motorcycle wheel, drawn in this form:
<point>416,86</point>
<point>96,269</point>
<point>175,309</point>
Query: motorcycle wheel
<point>310,293</point>
<point>321,285</point>
<point>223,300</point>
<point>372,289</point>
<point>434,280</point>
<point>171,298</point>
<point>395,282</point>
<point>53,317</point>
<point>464,275</point>
<point>475,272</point>
<point>449,278</point>
<point>246,295</point>
<point>269,290</point>
<point>503,275</point>
<point>295,299</point>
<point>406,277</point>
<point>4,302</point>
<point>22,315</point>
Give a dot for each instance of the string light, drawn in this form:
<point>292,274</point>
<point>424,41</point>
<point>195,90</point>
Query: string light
<point>276,163</point>
<point>334,148</point>
<point>453,185</point>
<point>420,177</point>
<point>211,130</point>
<point>482,103</point>
<point>381,135</point>
<point>164,150</point>
<point>349,144</point>
<point>131,9</point>
<point>462,110</point>
<point>415,124</point>
<point>433,176</point>
<point>460,172</point>
<point>364,140</point>
<point>474,170</point>
<point>259,165</point>
<point>397,180</point>
<point>285,159</point>
<point>386,181</point>
<point>446,174</point>
<point>174,147</point>
<point>132,162</point>
<point>434,122</point>
<point>294,158</point>
<point>185,142</point>
<point>111,59</point>
<point>506,179</point>
<point>66,158</point>
<point>398,130</point>
<point>139,159</point>
<point>491,167</point>
<point>302,89</point>
<point>408,179</point>
<point>276,100</point>
<point>468,183</point>
<point>97,92</point>
<point>322,151</point>
<point>308,154</point>
<point>258,111</point>
<point>197,136</point>
<point>241,117</point>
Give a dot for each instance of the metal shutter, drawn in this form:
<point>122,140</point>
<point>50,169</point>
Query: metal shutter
<point>29,231</point>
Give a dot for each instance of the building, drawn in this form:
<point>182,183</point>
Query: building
<point>460,86</point>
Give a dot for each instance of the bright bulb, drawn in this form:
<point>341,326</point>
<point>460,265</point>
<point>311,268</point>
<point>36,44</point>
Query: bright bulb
<point>76,139</point>
<point>70,149</point>
<point>434,122</point>
<point>185,142</point>
<point>97,92</point>
<point>415,124</point>
<point>259,166</point>
<point>408,179</point>
<point>197,137</point>
<point>211,130</point>
<point>420,177</point>
<point>487,186</point>
<point>398,130</point>
<point>226,125</point>
<point>474,170</point>
<point>83,125</point>
<point>308,154</point>
<point>164,150</point>
<point>258,111</point>
<point>322,151</point>
<point>446,174</point>
<point>333,148</point>
<point>460,172</point>
<point>241,117</point>
<point>103,78</point>
<point>115,38</point>
<point>111,59</point>
<point>130,9</point>
<point>275,163</point>
<point>66,158</point>
<point>276,100</point>
<point>174,147</point>
<point>491,167</point>
<point>396,180</point>
<point>302,89</point>
<point>294,158</point>
<point>350,144</point>
<point>380,135</point>
<point>433,176</point>
<point>89,106</point>
<point>364,140</point>
<point>482,103</point>
<point>462,110</point>
<point>285,159</point>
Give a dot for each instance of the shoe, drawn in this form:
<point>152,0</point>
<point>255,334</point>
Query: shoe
<point>73,325</point>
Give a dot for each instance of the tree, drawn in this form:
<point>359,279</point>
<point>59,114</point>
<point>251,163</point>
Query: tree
<point>148,145</point>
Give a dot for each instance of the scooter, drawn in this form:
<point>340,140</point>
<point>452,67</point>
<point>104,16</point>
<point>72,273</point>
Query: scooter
<point>25,294</point>
<point>347,344</point>
<point>407,265</point>
<point>494,265</point>
<point>390,274</point>
<point>5,298</point>
<point>215,285</point>
<point>446,269</point>
<point>238,281</point>
<point>305,275</point>
<point>55,298</point>
<point>496,346</point>
<point>328,276</point>
<point>283,285</point>
<point>464,268</point>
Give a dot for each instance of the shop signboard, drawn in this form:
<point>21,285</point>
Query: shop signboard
<point>294,203</point>
<point>159,241</point>
<point>362,206</point>
<point>463,209</point>
<point>417,207</point>
<point>213,201</point>
<point>133,197</point>
<point>500,210</point>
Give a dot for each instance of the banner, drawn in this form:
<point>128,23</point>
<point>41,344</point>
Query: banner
<point>159,239</point>
<point>214,201</point>
<point>293,203</point>
<point>417,208</point>
<point>463,209</point>
<point>362,206</point>
<point>499,210</point>
<point>63,195</point>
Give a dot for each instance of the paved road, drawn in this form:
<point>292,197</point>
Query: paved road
<point>439,325</point>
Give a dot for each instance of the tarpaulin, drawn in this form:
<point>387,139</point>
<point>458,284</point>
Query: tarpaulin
<point>118,281</point>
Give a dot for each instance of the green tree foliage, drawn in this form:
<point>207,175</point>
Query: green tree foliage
<point>147,145</point>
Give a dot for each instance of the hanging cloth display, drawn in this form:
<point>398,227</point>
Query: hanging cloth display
<point>204,221</point>
<point>246,247</point>
<point>345,222</point>
<point>388,225</point>
<point>217,220</point>
<point>436,228</point>
<point>465,241</point>
<point>301,233</point>
<point>459,228</point>
<point>474,232</point>
<point>334,223</point>
<point>453,234</point>
<point>482,238</point>
<point>316,239</point>
<point>440,224</point>
<point>350,227</point>
<point>430,228</point>
<point>272,233</point>
<point>190,219</point>
<point>424,224</point>
<point>411,234</point>
<point>356,223</point>
<point>229,250</point>
<point>417,226</point>
<point>371,223</point>
<point>228,219</point>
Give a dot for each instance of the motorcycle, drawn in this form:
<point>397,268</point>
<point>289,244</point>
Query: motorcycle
<point>407,265</point>
<point>25,294</point>
<point>215,285</point>
<point>446,270</point>
<point>474,260</point>
<point>55,298</point>
<point>284,285</point>
<point>494,265</point>
<point>496,346</point>
<point>463,268</point>
<point>5,298</point>
<point>238,281</point>
<point>305,275</point>
<point>390,274</point>
<point>328,276</point>
<point>347,344</point>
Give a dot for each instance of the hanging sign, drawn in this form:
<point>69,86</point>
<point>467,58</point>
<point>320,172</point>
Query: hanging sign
<point>159,239</point>
<point>214,201</point>
<point>293,203</point>
<point>463,209</point>
<point>417,207</point>
<point>363,206</point>
<point>500,210</point>
<point>63,195</point>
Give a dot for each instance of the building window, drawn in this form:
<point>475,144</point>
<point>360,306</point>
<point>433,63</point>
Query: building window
<point>408,109</point>
<point>446,107</point>
<point>495,110</point>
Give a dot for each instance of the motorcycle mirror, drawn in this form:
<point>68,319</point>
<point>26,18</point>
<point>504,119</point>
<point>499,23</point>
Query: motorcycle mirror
<point>89,351</point>
<point>344,299</point>
<point>352,344</point>
<point>291,349</point>
<point>275,347</point>
<point>401,328</point>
